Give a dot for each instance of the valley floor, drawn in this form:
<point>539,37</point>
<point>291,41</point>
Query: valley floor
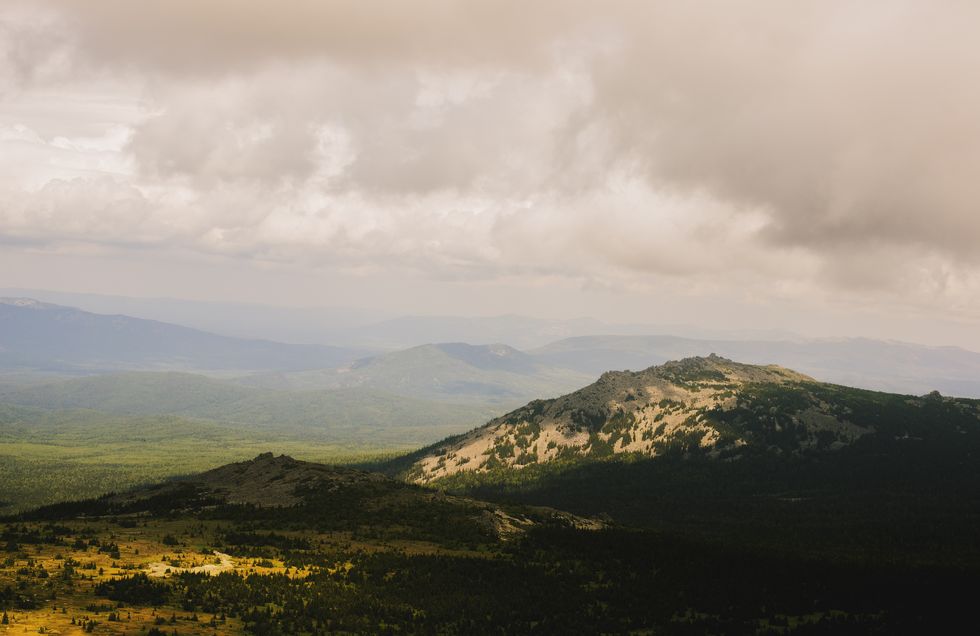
<point>35,474</point>
<point>58,578</point>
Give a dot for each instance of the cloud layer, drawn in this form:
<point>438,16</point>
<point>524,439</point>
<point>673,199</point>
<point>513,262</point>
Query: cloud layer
<point>803,149</point>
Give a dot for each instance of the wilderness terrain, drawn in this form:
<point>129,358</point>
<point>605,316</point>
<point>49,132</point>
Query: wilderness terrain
<point>741,498</point>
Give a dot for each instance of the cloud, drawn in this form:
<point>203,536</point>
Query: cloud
<point>811,148</point>
<point>191,37</point>
<point>848,124</point>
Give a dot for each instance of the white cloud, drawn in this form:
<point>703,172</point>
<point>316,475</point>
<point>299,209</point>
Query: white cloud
<point>819,150</point>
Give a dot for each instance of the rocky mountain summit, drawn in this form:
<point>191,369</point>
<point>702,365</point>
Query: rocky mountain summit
<point>702,405</point>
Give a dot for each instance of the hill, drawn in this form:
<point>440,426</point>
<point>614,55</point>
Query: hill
<point>42,336</point>
<point>490,374</point>
<point>311,492</point>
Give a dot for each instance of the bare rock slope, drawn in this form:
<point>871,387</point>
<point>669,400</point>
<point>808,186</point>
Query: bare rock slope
<point>702,405</point>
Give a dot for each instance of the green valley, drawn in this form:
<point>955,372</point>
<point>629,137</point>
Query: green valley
<point>55,455</point>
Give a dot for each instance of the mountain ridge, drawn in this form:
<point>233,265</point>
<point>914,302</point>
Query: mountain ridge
<point>702,405</point>
<point>44,336</point>
<point>34,341</point>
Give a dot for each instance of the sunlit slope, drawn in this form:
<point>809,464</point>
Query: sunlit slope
<point>706,406</point>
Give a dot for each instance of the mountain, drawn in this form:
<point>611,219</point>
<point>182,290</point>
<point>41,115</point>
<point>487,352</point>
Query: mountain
<point>737,454</point>
<point>506,377</point>
<point>881,365</point>
<point>492,374</point>
<point>359,328</point>
<point>708,406</point>
<point>42,336</point>
<point>299,325</point>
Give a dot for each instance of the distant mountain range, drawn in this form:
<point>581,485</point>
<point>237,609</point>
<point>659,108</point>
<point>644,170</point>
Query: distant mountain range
<point>360,328</point>
<point>42,336</point>
<point>502,375</point>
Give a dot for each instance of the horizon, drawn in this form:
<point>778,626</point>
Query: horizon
<point>84,302</point>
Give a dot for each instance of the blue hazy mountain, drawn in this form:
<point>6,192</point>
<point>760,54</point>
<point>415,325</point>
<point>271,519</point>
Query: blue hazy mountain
<point>43,336</point>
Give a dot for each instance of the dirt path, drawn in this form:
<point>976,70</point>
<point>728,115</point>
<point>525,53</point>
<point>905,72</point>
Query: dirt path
<point>160,568</point>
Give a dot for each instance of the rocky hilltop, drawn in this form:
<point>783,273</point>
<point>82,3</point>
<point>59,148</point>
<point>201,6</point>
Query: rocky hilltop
<point>283,488</point>
<point>267,481</point>
<point>701,405</point>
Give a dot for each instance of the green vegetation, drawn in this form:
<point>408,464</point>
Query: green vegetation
<point>49,456</point>
<point>567,581</point>
<point>821,471</point>
<point>348,416</point>
<point>821,510</point>
<point>905,506</point>
<point>363,555</point>
<point>775,417</point>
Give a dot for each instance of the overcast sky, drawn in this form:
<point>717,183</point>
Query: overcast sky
<point>810,166</point>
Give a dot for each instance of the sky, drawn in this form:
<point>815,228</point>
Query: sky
<point>804,166</point>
